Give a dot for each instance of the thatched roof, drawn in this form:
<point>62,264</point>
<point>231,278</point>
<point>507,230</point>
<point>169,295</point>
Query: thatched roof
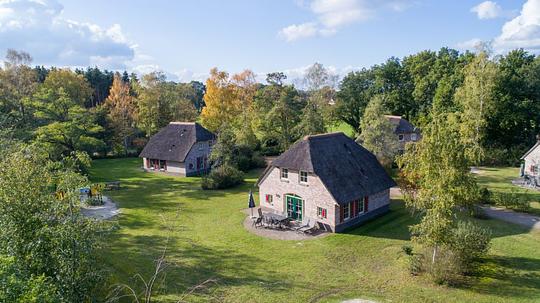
<point>402,126</point>
<point>348,170</point>
<point>174,141</point>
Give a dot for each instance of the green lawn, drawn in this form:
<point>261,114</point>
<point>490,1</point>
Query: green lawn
<point>344,128</point>
<point>499,179</point>
<point>209,241</point>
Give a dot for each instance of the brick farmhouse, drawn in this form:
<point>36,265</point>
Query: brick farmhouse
<point>329,179</point>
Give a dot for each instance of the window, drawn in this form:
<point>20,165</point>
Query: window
<point>303,176</point>
<point>321,212</point>
<point>346,211</point>
<point>413,137</point>
<point>361,207</point>
<point>284,173</point>
<point>162,165</point>
<point>201,145</point>
<point>401,137</point>
<point>269,199</point>
<point>190,165</point>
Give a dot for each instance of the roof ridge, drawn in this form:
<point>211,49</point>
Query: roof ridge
<point>326,135</point>
<point>182,123</point>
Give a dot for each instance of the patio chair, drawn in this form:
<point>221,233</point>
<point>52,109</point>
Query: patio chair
<point>257,222</point>
<point>301,228</point>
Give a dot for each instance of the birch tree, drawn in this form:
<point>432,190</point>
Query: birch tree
<point>476,98</point>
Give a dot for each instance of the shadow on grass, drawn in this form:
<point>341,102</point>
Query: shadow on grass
<point>509,277</point>
<point>189,264</point>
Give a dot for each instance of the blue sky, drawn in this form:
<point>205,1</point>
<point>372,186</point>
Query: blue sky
<point>187,38</point>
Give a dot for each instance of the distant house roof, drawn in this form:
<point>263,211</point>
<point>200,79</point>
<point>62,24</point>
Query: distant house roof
<point>174,141</point>
<point>402,125</point>
<point>348,170</point>
<point>530,150</point>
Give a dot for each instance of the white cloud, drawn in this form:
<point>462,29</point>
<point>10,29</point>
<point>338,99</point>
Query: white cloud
<point>471,44</point>
<point>294,32</point>
<point>488,10</point>
<point>37,27</point>
<point>521,32</point>
<point>332,15</point>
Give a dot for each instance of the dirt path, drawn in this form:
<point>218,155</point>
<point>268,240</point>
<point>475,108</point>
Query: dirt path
<point>527,220</point>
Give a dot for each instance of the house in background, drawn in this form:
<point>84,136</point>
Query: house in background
<point>404,130</point>
<point>531,161</point>
<point>181,148</point>
<point>329,179</point>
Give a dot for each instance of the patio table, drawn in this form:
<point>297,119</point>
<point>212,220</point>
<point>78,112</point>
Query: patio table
<point>277,217</point>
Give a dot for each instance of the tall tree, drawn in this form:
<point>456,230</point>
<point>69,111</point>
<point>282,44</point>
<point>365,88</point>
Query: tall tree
<point>278,112</point>
<point>18,82</point>
<point>122,112</point>
<point>222,106</point>
<point>160,102</point>
<point>246,87</point>
<point>377,134</point>
<point>476,98</point>
<point>357,89</point>
<point>437,181</point>
<point>64,125</point>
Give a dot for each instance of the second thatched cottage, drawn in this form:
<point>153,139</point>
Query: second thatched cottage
<point>181,148</point>
<point>328,179</point>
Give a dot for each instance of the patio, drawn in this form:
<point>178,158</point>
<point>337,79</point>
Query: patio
<point>275,232</point>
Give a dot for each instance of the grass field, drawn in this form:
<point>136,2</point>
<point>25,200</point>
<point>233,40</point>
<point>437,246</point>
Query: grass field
<point>209,241</point>
<point>499,179</point>
<point>344,128</point>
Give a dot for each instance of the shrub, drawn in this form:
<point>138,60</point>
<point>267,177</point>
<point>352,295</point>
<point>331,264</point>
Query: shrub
<point>512,200</point>
<point>446,269</point>
<point>469,242</point>
<point>224,176</point>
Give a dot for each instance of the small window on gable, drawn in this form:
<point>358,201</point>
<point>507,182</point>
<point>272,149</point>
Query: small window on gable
<point>401,137</point>
<point>284,173</point>
<point>321,212</point>
<point>414,137</point>
<point>201,145</point>
<point>303,176</point>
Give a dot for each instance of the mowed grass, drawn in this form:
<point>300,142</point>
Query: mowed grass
<point>344,128</point>
<point>499,179</point>
<point>208,241</point>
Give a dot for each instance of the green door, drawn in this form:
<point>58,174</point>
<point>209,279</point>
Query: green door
<point>294,207</point>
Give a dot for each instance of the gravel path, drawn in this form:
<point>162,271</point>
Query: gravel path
<point>102,212</point>
<point>527,220</point>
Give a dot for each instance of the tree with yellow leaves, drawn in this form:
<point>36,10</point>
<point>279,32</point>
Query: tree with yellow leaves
<point>122,112</point>
<point>222,105</point>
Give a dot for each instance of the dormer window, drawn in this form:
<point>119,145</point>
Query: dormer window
<point>401,137</point>
<point>284,174</point>
<point>413,137</point>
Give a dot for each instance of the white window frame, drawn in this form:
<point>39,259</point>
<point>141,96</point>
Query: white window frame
<point>401,138</point>
<point>414,137</point>
<point>300,177</point>
<point>284,173</point>
<point>363,203</point>
<point>320,212</point>
<point>201,145</point>
<point>347,216</point>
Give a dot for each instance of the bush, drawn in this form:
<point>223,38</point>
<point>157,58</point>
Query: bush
<point>512,200</point>
<point>224,176</point>
<point>446,269</point>
<point>468,243</point>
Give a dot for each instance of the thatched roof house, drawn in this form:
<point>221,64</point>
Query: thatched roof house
<point>179,148</point>
<point>326,178</point>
